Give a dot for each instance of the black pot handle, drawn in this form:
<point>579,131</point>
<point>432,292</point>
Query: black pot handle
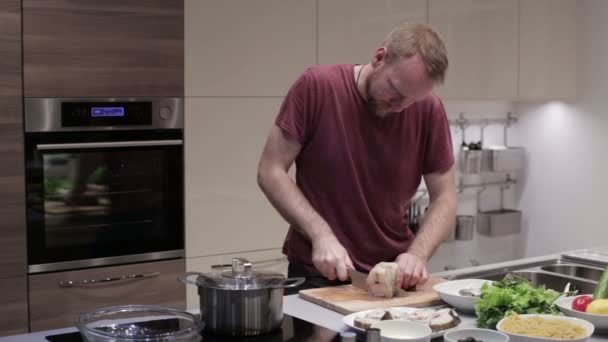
<point>294,282</point>
<point>184,278</point>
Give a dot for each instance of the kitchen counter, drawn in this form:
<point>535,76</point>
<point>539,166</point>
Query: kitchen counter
<point>305,321</point>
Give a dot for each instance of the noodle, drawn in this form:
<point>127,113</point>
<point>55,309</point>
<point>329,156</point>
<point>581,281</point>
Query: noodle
<point>541,327</point>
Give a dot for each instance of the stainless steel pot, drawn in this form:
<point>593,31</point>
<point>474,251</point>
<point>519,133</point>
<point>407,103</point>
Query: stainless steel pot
<point>240,301</point>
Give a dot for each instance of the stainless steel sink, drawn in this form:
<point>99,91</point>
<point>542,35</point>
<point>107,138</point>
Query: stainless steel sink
<point>554,274</point>
<point>578,271</point>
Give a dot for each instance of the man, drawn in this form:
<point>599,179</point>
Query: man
<point>362,137</point>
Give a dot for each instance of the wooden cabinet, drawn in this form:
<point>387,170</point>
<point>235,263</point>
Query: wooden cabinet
<point>13,306</point>
<point>99,48</point>
<point>351,30</point>
<point>12,197</point>
<point>55,306</point>
<point>226,212</point>
<point>247,48</point>
<point>13,281</point>
<point>482,42</point>
<point>271,260</point>
<point>547,63</point>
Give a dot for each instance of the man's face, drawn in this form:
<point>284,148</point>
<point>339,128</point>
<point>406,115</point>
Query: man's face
<point>394,86</point>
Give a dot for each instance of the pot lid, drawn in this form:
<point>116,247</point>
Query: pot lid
<point>241,277</point>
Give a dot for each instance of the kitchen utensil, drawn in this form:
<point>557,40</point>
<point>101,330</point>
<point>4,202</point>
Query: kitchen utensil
<point>600,322</point>
<point>525,338</point>
<point>449,291</point>
<point>349,320</point>
<point>347,299</point>
<point>358,279</point>
<point>139,323</point>
<point>485,335</point>
<point>403,331</point>
<point>241,301</point>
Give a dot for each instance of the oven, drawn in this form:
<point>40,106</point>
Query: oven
<point>104,181</point>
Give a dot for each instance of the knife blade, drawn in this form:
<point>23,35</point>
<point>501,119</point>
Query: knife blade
<point>358,279</point>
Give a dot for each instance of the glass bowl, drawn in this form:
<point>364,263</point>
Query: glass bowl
<point>139,323</point>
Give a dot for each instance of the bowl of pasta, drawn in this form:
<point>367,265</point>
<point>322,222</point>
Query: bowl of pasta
<point>544,328</point>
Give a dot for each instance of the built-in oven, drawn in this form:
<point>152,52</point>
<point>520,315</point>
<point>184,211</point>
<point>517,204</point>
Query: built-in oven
<point>104,181</point>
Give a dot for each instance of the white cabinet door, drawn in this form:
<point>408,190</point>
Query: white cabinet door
<point>482,42</point>
<point>247,48</point>
<point>351,30</point>
<point>226,212</point>
<point>547,49</point>
<point>271,260</point>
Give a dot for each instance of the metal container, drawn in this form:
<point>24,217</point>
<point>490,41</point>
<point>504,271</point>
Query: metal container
<point>240,301</point>
<point>499,222</point>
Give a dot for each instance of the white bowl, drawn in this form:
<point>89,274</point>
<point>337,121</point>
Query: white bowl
<point>448,291</point>
<point>524,338</point>
<point>398,331</point>
<point>600,322</point>
<point>485,335</point>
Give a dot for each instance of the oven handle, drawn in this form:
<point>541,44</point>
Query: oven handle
<point>113,144</point>
<point>71,283</point>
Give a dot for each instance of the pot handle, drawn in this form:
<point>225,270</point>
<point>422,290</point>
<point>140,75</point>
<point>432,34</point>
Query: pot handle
<point>184,278</point>
<point>285,284</point>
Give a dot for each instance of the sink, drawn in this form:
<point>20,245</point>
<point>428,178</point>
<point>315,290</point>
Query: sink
<point>554,274</point>
<point>575,271</point>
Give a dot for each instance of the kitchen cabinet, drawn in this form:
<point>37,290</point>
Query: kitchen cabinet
<point>53,305</point>
<point>547,63</point>
<point>351,30</point>
<point>226,212</point>
<point>99,48</point>
<point>13,306</point>
<point>13,281</point>
<point>481,37</point>
<point>271,260</point>
<point>12,198</point>
<point>247,48</point>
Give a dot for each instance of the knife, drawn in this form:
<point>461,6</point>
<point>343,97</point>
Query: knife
<point>359,280</point>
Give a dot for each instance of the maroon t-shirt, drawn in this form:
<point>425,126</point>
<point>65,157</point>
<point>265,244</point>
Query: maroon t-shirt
<point>359,171</point>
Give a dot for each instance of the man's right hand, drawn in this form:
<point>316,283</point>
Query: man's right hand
<point>330,258</point>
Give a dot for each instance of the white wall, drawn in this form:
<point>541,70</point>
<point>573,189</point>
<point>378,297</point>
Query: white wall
<point>565,188</point>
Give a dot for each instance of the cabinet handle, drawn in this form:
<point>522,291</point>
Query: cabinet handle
<point>85,282</point>
<point>253,263</point>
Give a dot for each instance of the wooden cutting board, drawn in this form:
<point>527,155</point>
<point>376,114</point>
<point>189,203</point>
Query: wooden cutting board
<point>347,299</point>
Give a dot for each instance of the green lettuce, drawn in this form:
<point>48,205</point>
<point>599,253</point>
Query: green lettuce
<point>513,294</point>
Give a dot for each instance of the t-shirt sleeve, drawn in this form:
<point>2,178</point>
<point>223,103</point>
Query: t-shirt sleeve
<point>439,154</point>
<point>296,115</point>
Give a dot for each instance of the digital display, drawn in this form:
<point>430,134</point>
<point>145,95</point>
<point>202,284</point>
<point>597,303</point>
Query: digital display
<point>107,111</point>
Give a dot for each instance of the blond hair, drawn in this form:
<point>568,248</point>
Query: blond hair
<point>408,39</point>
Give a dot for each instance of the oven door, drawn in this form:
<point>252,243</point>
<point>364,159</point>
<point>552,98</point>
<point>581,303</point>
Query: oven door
<point>99,198</point>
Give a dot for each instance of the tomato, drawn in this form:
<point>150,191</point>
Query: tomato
<point>580,303</point>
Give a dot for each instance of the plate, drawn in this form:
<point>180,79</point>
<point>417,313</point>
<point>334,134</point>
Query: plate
<point>600,322</point>
<point>448,291</point>
<point>349,320</point>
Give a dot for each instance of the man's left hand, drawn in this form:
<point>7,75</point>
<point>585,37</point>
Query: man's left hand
<point>412,269</point>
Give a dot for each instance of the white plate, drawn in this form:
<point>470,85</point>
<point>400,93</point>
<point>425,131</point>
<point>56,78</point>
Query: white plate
<point>349,320</point>
<point>600,322</point>
<point>448,291</point>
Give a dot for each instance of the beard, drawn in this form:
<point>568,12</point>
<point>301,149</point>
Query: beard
<point>377,107</point>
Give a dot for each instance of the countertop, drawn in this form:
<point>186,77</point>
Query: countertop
<point>306,321</point>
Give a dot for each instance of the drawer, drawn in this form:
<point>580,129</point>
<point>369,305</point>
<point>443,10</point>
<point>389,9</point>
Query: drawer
<point>13,306</point>
<point>55,306</point>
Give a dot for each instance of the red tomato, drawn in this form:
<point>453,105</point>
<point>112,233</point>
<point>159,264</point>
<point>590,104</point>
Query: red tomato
<point>580,303</point>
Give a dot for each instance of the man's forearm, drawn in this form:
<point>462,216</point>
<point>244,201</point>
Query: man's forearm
<point>436,224</point>
<point>291,203</point>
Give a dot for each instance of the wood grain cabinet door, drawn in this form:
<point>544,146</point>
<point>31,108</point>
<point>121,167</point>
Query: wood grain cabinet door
<point>104,48</point>
<point>54,303</point>
<point>12,195</point>
<point>13,306</point>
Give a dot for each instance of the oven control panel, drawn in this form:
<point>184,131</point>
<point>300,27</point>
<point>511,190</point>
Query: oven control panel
<point>78,114</point>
